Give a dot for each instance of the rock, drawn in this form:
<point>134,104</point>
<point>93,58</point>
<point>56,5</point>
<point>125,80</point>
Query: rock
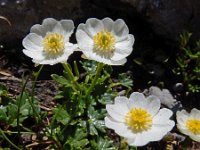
<point>166,18</point>
<point>165,97</point>
<point>22,14</point>
<point>178,87</point>
<point>169,18</point>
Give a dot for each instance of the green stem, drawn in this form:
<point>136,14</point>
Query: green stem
<point>136,148</point>
<point>76,69</point>
<point>90,89</point>
<point>18,108</point>
<point>71,77</point>
<point>98,71</point>
<point>31,101</point>
<point>7,139</point>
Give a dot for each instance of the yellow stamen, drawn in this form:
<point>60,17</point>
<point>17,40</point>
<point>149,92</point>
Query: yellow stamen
<point>53,44</point>
<point>104,41</point>
<point>138,120</point>
<point>193,126</point>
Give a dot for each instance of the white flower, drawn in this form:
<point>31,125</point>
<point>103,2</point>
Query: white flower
<point>105,41</point>
<point>49,43</point>
<point>138,119</point>
<point>189,123</point>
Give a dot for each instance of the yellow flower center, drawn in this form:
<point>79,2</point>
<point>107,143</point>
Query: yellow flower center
<point>104,41</point>
<point>193,126</point>
<point>53,44</point>
<point>138,120</point>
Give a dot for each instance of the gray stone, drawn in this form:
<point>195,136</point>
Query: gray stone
<point>169,18</point>
<point>22,14</point>
<point>165,97</point>
<point>166,18</point>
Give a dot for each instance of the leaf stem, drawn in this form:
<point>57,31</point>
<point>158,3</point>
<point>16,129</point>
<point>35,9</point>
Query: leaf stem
<point>19,106</point>
<point>31,101</point>
<point>71,76</point>
<point>98,71</point>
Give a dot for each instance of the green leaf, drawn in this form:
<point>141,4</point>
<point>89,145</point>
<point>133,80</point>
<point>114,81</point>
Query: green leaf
<point>61,115</point>
<point>125,80</point>
<point>96,120</point>
<point>3,116</point>
<point>12,111</point>
<point>102,144</point>
<point>78,141</point>
<point>60,79</point>
<point>89,66</point>
<point>92,129</point>
<point>107,97</point>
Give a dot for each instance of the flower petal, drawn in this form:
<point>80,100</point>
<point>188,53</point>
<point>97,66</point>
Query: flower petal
<point>183,129</point>
<point>125,46</point>
<point>33,42</point>
<point>195,113</point>
<point>117,56</point>
<point>156,133</point>
<point>94,26</point>
<point>137,100</point>
<point>106,60</point>
<point>82,27</point>
<point>68,26</point>
<point>64,27</point>
<point>34,54</point>
<point>120,30</point>
<point>119,128</point>
<point>58,29</point>
<point>85,43</point>
<point>153,104</point>
<point>116,111</point>
<point>182,116</point>
<point>108,24</point>
<point>47,26</point>
<point>195,137</point>
<point>122,101</point>
<point>162,116</point>
<point>138,141</point>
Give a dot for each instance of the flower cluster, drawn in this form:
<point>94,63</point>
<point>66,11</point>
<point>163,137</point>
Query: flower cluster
<point>105,41</point>
<point>138,119</point>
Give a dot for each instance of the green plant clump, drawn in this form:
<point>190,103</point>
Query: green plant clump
<point>188,63</point>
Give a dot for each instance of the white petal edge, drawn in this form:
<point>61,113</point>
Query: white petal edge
<point>93,26</point>
<point>32,42</point>
<point>153,104</point>
<point>48,25</point>
<point>120,30</point>
<point>93,56</point>
<point>162,116</point>
<point>137,100</point>
<point>108,24</point>
<point>84,42</point>
<point>116,112</point>
<point>124,47</point>
<point>195,137</point>
<point>119,128</point>
<point>195,113</point>
<point>33,54</point>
